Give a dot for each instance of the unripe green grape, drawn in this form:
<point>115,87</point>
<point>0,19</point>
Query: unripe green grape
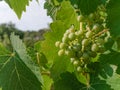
<point>96,27</point>
<point>85,42</point>
<point>89,34</point>
<point>63,45</point>
<point>72,59</point>
<point>76,47</point>
<point>91,16</point>
<point>94,48</point>
<point>69,53</point>
<point>69,47</point>
<point>102,13</point>
<point>61,52</point>
<point>86,69</point>
<point>57,44</point>
<point>71,29</point>
<point>88,27</point>
<point>92,54</point>
<point>100,41</point>
<point>75,63</point>
<point>79,69</point>
<point>71,36</point>
<point>65,34</point>
<point>65,39</point>
<point>79,33</point>
<point>85,55</point>
<point>79,54</point>
<point>106,39</point>
<point>81,18</point>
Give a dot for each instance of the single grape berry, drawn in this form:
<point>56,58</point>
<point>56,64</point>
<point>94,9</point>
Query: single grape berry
<point>61,52</point>
<point>63,45</point>
<point>96,27</point>
<point>69,53</point>
<point>85,42</point>
<point>94,48</point>
<point>71,29</point>
<point>57,44</point>
<point>91,16</point>
<point>100,41</point>
<point>79,69</point>
<point>89,34</point>
<point>76,47</point>
<point>85,55</point>
<point>75,63</point>
<point>79,33</point>
<point>65,39</point>
<point>72,59</point>
<point>71,36</point>
<point>81,18</point>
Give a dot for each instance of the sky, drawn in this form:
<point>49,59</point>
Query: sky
<point>34,18</point>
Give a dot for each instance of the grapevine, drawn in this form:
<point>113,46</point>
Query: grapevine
<point>80,51</point>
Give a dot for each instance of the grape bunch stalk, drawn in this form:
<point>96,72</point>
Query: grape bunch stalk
<point>85,44</point>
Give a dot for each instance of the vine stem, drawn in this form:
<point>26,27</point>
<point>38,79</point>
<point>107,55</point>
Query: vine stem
<point>105,30</point>
<point>38,59</point>
<point>46,73</point>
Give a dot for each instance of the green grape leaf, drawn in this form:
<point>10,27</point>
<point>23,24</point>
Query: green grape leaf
<point>88,6</point>
<point>67,15</point>
<point>113,10</point>
<point>47,47</point>
<point>68,81</point>
<point>114,81</point>
<point>51,9</point>
<point>17,71</point>
<point>47,82</point>
<point>98,84</point>
<point>18,6</point>
<point>111,58</point>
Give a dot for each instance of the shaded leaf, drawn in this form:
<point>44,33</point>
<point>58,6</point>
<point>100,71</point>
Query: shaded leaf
<point>68,81</point>
<point>112,58</point>
<point>113,18</point>
<point>88,6</point>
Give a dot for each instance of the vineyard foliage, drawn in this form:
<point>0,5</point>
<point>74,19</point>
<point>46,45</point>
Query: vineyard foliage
<point>80,52</point>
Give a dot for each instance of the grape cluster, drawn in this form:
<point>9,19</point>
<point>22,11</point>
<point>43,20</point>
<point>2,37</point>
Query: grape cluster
<point>84,44</point>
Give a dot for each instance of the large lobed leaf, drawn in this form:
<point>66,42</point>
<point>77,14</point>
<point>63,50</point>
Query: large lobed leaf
<point>67,15</point>
<point>17,72</point>
<point>68,81</point>
<point>18,6</point>
<point>48,48</point>
<point>114,17</point>
<point>88,6</point>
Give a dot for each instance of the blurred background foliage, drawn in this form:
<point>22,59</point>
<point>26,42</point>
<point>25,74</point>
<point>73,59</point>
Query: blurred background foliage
<point>30,37</point>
